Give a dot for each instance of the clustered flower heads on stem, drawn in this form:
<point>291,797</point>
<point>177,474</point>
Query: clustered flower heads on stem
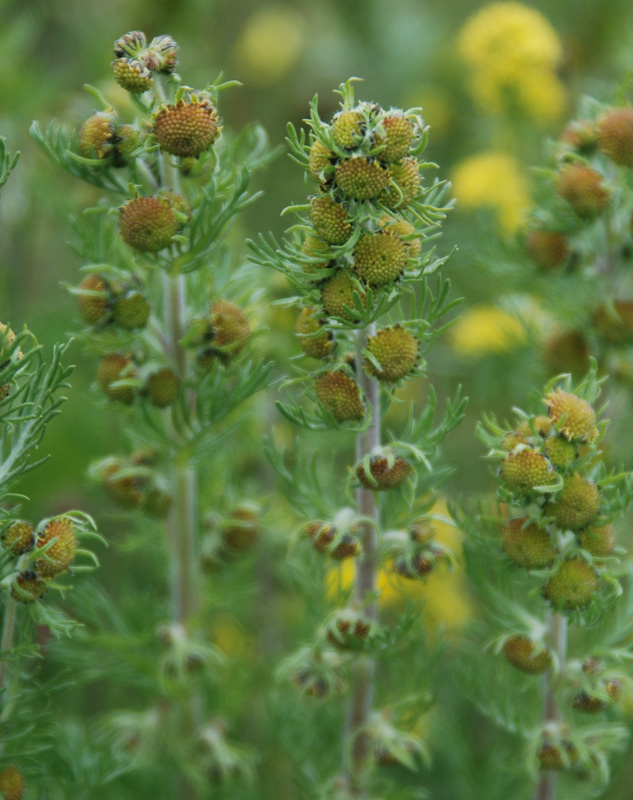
<point>359,259</point>
<point>33,558</point>
<point>555,537</point>
<point>575,247</point>
<point>162,305</point>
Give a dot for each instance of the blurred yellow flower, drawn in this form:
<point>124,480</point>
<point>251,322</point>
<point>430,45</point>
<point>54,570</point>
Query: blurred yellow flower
<point>486,329</point>
<point>270,44</point>
<point>229,636</point>
<point>493,180</point>
<point>512,52</point>
<point>444,592</point>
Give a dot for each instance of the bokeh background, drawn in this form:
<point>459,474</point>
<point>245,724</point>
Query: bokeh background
<point>492,90</point>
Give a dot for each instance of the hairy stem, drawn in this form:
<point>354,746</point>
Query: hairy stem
<point>361,698</point>
<point>546,788</point>
<point>182,523</point>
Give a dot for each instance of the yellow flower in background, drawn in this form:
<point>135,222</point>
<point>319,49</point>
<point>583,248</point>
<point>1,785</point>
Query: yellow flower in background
<point>513,53</point>
<point>509,33</point>
<point>543,96</point>
<point>486,329</point>
<point>493,180</point>
<point>228,635</point>
<point>444,592</point>
<point>270,44</point>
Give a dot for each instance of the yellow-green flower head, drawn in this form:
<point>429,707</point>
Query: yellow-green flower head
<point>340,395</point>
<point>61,553</point>
<point>12,786</point>
<point>524,655</point>
<point>360,178</point>
<point>396,350</point>
<point>330,219</point>
<point>337,293</point>
<point>493,180</point>
<point>380,258</point>
<point>527,545</point>
<point>313,343</point>
<point>512,52</point>
<point>320,157</point>
<point>404,183</point>
<point>573,416</point>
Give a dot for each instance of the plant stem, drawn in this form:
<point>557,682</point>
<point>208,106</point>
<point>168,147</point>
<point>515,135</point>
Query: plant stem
<point>361,698</point>
<point>8,629</point>
<point>182,523</point>
<point>546,789</point>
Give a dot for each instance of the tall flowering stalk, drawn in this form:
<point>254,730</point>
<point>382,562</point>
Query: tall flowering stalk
<point>359,260</point>
<point>548,565</point>
<point>36,559</point>
<point>162,305</point>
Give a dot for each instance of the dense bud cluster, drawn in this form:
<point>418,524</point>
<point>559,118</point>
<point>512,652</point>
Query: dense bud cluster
<point>564,541</point>
<point>135,60</point>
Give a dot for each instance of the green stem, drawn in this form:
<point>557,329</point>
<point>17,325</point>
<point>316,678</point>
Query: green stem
<point>546,789</point>
<point>361,698</point>
<point>182,523</point>
<point>8,629</point>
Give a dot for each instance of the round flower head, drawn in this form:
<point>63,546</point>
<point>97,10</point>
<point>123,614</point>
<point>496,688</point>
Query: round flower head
<point>330,219</point>
<point>576,505</point>
<point>523,654</point>
<point>360,178</point>
<point>615,136</point>
<point>187,128</point>
<point>313,343</point>
<point>583,188</point>
<point>348,129</point>
<point>96,135</point>
<point>396,351</point>
<point>572,416</point>
<point>397,137</point>
<point>132,75</point>
<point>12,785</point>
<point>337,294</point>
<point>61,554</point>
<point>340,395</point>
<point>404,182</point>
<point>527,545</point>
<point>380,258</point>
<point>320,157</point>
<point>148,223</point>
<point>382,475</point>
